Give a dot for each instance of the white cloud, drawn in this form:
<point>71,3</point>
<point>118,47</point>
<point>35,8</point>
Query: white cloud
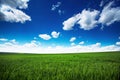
<point>35,38</point>
<point>109,14</point>
<point>118,37</point>
<point>110,48</point>
<point>32,44</point>
<point>13,41</point>
<point>69,23</point>
<point>34,47</point>
<point>54,7</point>
<point>3,39</point>
<point>45,36</point>
<point>60,12</point>
<point>22,4</point>
<point>55,34</point>
<point>27,47</point>
<point>88,19</point>
<point>96,45</point>
<point>73,44</point>
<point>82,42</point>
<point>72,39</point>
<point>7,41</point>
<point>10,10</point>
<point>101,3</point>
<point>118,43</point>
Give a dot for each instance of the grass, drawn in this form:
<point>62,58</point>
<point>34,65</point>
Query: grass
<point>83,66</point>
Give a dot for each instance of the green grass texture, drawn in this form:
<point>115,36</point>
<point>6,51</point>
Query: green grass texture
<point>76,66</point>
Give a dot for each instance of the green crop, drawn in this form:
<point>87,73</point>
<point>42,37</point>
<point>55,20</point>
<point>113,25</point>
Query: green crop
<point>82,66</point>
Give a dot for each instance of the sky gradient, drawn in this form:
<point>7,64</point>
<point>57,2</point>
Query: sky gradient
<point>59,26</point>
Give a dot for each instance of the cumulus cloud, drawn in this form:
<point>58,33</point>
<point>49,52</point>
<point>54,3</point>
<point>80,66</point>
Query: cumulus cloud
<point>34,47</point>
<point>16,47</point>
<point>60,12</point>
<point>86,19</point>
<point>82,42</point>
<point>45,36</point>
<point>73,44</point>
<point>101,3</point>
<point>89,19</point>
<point>118,43</point>
<point>55,34</point>
<point>8,42</point>
<point>72,39</point>
<point>54,7</point>
<point>96,45</point>
<point>13,41</point>
<point>32,44</point>
<point>10,11</point>
<point>69,23</point>
<point>118,37</point>
<point>109,14</point>
<point>35,38</point>
<point>3,39</point>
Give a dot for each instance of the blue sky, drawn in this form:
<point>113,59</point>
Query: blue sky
<point>59,25</point>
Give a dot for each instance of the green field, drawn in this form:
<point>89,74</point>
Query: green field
<point>83,66</point>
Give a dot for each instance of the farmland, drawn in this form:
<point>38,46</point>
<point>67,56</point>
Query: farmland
<point>79,66</point>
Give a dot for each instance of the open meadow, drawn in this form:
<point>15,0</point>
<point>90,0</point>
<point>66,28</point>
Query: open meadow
<point>79,66</point>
